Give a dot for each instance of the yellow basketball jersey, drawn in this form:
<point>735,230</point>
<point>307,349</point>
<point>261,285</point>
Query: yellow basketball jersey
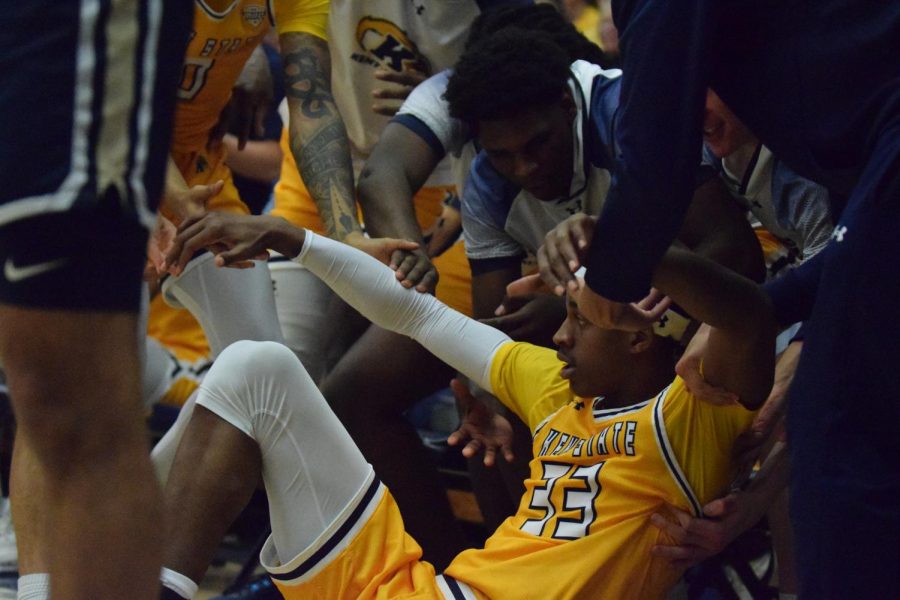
<point>221,42</point>
<point>582,529</point>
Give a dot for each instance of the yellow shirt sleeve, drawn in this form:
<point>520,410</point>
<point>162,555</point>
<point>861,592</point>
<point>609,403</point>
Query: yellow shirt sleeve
<point>302,16</point>
<point>526,379</point>
<point>702,436</point>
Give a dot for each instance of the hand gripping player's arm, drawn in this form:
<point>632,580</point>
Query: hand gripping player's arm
<point>367,285</point>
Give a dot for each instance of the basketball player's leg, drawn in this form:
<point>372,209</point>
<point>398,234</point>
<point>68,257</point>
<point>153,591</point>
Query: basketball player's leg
<point>258,416</point>
<point>87,496</point>
<point>81,169</point>
<point>381,376</point>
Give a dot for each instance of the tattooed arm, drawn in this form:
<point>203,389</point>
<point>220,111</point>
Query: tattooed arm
<point>318,138</point>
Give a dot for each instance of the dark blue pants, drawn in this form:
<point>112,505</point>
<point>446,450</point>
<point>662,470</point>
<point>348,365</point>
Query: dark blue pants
<point>844,410</point>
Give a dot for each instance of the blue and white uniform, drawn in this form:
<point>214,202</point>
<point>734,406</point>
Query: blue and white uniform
<point>503,222</point>
<point>792,208</point>
<point>814,81</point>
<point>86,103</point>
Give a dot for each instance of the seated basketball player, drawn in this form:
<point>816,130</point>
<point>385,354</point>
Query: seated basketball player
<point>616,436</point>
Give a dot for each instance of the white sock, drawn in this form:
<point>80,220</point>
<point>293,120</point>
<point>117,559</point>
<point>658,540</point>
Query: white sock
<point>34,586</point>
<point>230,304</point>
<point>178,583</point>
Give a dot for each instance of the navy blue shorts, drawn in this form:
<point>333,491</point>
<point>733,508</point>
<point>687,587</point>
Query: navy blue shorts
<point>86,110</point>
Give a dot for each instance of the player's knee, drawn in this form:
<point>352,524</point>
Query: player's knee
<point>260,360</point>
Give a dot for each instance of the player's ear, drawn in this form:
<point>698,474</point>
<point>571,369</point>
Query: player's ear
<point>640,341</point>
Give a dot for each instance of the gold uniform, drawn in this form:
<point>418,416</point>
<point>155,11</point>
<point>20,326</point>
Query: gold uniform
<point>221,42</point>
<point>582,529</point>
<point>294,203</point>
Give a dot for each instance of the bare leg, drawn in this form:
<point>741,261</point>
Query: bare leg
<point>382,375</point>
<point>73,380</point>
<point>28,496</point>
<point>215,471</point>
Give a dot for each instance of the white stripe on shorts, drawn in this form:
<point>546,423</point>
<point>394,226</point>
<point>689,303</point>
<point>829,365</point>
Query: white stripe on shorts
<point>462,592</point>
<point>85,63</point>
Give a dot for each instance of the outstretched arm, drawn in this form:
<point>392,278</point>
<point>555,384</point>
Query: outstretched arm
<point>366,284</point>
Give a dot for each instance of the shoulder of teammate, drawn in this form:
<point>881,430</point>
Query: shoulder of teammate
<point>805,205</point>
<point>486,203</point>
<point>426,113</point>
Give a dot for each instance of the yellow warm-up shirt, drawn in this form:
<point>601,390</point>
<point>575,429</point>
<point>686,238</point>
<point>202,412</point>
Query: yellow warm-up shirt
<point>221,42</point>
<point>582,529</point>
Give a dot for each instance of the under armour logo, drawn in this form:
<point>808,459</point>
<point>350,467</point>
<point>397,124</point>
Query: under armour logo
<point>839,233</point>
<point>663,320</point>
<point>579,405</point>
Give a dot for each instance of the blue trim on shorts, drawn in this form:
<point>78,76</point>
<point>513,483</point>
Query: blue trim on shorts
<point>454,588</point>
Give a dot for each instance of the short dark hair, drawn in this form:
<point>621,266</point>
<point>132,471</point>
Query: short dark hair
<point>506,73</point>
<point>543,18</point>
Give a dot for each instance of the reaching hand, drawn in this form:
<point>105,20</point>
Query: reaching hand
<point>250,100</point>
<point>158,245</point>
<point>563,251</point>
<point>768,426</point>
<point>688,368</point>
<point>698,539</point>
<point>534,318</point>
<point>444,232</point>
<point>183,204</point>
<point>633,316</point>
<point>527,286</point>
<point>484,428</point>
<point>407,79</point>
<point>379,248</point>
<point>413,268</point>
<point>234,239</point>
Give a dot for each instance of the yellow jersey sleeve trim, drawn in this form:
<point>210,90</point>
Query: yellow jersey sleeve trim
<point>526,379</point>
<point>301,16</point>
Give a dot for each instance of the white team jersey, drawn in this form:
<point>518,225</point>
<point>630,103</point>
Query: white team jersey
<point>391,34</point>
<point>427,113</point>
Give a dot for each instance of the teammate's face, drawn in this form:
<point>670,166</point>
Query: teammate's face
<point>533,148</point>
<point>595,357</point>
<point>723,132</point>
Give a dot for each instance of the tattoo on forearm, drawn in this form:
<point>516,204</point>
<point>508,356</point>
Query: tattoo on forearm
<point>324,164</point>
<point>307,81</point>
<point>318,139</point>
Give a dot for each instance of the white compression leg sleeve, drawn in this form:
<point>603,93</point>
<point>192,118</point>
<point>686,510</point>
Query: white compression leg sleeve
<point>230,304</point>
<point>304,306</point>
<point>163,454</point>
<point>158,366</point>
<point>312,470</point>
<point>372,288</point>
